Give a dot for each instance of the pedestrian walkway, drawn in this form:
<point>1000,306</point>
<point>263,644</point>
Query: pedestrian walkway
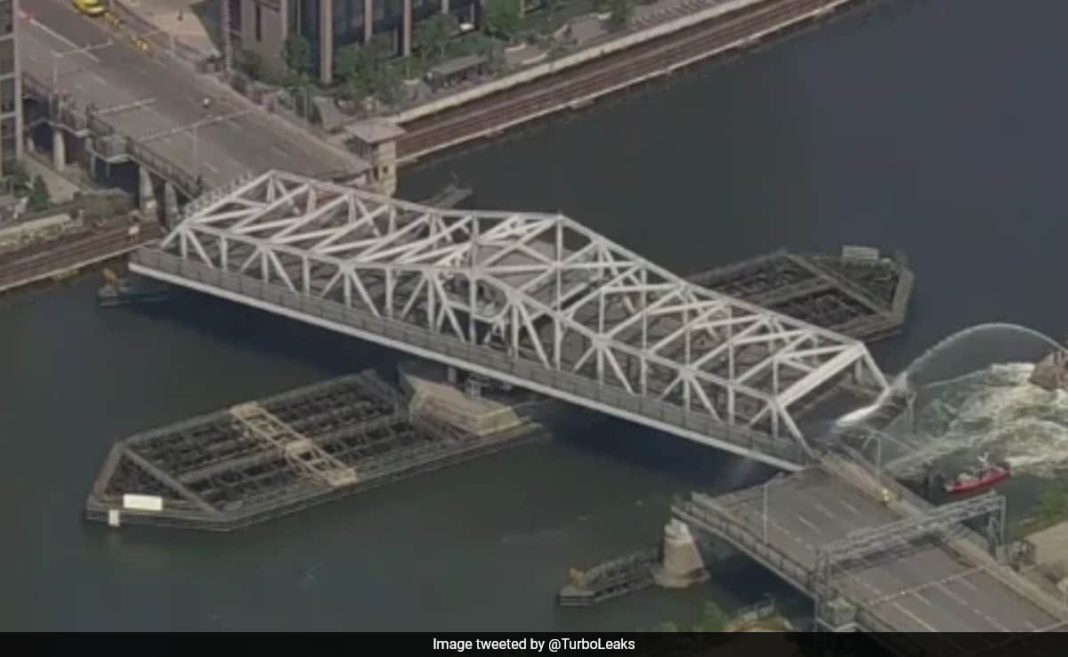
<point>191,22</point>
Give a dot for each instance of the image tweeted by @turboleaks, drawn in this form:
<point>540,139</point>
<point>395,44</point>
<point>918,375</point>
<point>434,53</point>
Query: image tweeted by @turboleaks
<point>534,644</point>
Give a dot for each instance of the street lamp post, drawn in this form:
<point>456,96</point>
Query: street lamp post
<point>57,55</point>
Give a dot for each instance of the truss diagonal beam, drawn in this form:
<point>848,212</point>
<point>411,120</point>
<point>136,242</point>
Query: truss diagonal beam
<point>540,288</point>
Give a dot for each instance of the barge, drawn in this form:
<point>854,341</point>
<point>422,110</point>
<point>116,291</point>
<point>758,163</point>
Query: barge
<point>264,459</point>
<point>859,293</point>
<point>610,579</point>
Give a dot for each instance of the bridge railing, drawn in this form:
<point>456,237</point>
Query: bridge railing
<point>720,522</point>
<point>426,340</point>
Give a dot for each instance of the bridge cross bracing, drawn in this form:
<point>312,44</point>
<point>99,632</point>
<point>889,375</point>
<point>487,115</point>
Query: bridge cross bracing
<point>545,292</point>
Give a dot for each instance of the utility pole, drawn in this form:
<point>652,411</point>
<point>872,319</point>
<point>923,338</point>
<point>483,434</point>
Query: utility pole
<point>228,46</point>
<point>57,55</point>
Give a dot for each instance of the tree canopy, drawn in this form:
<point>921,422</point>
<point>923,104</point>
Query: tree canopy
<point>297,53</point>
<point>501,18</point>
<point>432,35</point>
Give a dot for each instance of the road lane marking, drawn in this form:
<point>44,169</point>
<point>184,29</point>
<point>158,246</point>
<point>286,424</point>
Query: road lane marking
<point>849,506</point>
<point>804,521</point>
<point>56,35</point>
<point>824,510</point>
<point>919,596</point>
<point>276,149</point>
<point>207,165</point>
<point>1031,626</point>
<point>916,618</point>
<point>967,605</point>
<point>969,584</point>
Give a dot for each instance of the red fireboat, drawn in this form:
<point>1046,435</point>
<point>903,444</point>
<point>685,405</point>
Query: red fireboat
<point>987,476</point>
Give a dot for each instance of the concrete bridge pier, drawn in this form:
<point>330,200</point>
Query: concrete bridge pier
<point>681,563</point>
<point>170,205</point>
<point>59,148</point>
<point>146,193</point>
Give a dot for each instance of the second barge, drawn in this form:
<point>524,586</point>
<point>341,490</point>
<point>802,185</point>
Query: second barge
<point>859,293</point>
<point>261,460</point>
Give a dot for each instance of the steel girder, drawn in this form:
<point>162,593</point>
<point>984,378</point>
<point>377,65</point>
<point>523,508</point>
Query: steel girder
<point>539,287</point>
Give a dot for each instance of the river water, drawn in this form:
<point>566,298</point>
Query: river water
<point>930,126</point>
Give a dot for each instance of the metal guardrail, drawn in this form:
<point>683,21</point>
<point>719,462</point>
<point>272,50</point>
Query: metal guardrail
<point>489,359</point>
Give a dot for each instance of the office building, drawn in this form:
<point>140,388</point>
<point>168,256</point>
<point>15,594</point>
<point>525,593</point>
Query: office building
<point>10,88</point>
<point>264,25</point>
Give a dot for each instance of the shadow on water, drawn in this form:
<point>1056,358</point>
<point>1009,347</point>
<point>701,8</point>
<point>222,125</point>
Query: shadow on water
<point>271,335</point>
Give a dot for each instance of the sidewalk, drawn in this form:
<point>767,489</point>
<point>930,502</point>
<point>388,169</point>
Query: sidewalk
<point>182,19</point>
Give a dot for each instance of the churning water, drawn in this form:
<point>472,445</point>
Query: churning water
<point>971,397</point>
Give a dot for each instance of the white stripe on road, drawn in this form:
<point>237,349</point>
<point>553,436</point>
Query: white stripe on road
<point>276,149</point>
<point>806,523</point>
<point>56,35</point>
<point>967,605</point>
<point>207,165</point>
<point>969,584</point>
<point>916,618</point>
<point>849,506</point>
<point>824,510</point>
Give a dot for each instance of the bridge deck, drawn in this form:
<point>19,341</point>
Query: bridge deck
<point>920,587</point>
<point>116,77</point>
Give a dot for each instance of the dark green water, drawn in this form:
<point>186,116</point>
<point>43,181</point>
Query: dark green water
<point>933,126</point>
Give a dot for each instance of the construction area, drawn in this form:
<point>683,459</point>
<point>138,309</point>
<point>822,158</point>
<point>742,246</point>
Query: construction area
<point>261,460</point>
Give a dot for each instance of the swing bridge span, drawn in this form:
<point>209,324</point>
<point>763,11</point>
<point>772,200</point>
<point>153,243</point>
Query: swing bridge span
<point>542,302</point>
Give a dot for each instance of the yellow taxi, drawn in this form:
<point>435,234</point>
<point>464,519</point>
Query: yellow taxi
<point>89,7</point>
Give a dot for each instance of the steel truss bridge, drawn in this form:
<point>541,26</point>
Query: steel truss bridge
<point>537,300</point>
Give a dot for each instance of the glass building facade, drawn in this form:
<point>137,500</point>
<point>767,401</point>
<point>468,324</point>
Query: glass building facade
<point>353,21</point>
<point>10,88</point>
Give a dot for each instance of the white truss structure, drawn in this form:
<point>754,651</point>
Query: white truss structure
<point>540,287</point>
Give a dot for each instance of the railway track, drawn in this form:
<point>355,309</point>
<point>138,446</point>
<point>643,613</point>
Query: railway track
<point>575,87</point>
<point>68,254</point>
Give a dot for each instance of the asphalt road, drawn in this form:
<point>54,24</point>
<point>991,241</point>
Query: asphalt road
<point>920,588</point>
<point>236,136</point>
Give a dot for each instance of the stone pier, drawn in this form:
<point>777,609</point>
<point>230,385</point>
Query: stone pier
<point>59,149</point>
<point>146,194</point>
<point>682,564</point>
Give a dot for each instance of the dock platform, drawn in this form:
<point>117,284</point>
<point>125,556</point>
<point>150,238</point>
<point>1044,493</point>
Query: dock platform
<point>860,293</point>
<point>260,460</point>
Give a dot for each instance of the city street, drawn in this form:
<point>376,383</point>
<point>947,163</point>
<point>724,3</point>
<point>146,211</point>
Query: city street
<point>148,96</point>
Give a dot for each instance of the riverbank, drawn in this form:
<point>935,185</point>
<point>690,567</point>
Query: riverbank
<point>575,81</point>
<point>66,255</point>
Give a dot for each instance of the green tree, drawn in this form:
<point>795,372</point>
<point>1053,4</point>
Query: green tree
<point>667,626</point>
<point>346,60</point>
<point>501,18</point>
<point>1053,506</point>
<point>297,53</point>
<point>18,179</point>
<point>39,199</point>
<point>432,35</point>
<point>712,620</point>
<point>387,84</point>
<point>621,13</point>
<point>250,63</point>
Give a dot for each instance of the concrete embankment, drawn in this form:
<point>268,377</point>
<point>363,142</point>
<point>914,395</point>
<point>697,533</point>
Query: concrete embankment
<point>70,253</point>
<point>576,80</point>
